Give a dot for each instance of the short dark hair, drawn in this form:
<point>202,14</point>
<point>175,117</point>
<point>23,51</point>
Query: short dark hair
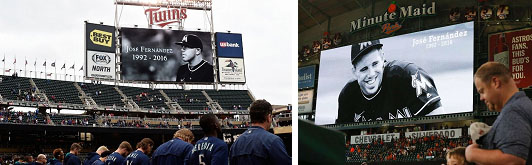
<point>208,123</point>
<point>57,152</point>
<point>144,143</point>
<point>126,145</point>
<point>493,69</point>
<point>259,111</point>
<point>75,146</point>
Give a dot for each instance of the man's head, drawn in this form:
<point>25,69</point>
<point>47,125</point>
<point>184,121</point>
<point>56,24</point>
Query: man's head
<point>28,159</point>
<point>191,46</point>
<point>494,82</point>
<point>41,158</point>
<point>146,145</point>
<point>75,148</point>
<point>210,124</point>
<point>124,148</point>
<point>260,112</point>
<point>101,149</point>
<point>185,135</point>
<point>368,65</point>
<point>58,154</point>
<point>456,156</point>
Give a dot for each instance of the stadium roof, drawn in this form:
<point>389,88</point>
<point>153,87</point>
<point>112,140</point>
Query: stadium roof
<point>315,12</point>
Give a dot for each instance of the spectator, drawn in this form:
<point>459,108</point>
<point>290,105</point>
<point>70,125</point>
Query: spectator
<point>456,156</point>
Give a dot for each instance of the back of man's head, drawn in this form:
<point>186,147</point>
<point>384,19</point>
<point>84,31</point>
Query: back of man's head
<point>126,147</point>
<point>259,111</point>
<point>57,153</point>
<point>75,147</point>
<point>185,135</point>
<point>144,144</point>
<point>493,69</point>
<point>208,123</point>
<point>101,149</point>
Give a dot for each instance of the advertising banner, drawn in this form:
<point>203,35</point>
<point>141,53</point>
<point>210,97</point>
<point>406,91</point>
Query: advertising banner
<point>166,55</point>
<point>305,100</point>
<point>306,76</point>
<point>365,139</point>
<point>229,45</point>
<point>449,133</point>
<point>231,70</point>
<point>511,49</point>
<point>418,74</point>
<point>100,37</point>
<point>100,64</point>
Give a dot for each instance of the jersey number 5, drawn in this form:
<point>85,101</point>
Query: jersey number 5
<point>201,159</point>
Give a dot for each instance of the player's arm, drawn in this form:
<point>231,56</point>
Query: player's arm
<point>487,157</point>
<point>220,155</point>
<point>278,152</point>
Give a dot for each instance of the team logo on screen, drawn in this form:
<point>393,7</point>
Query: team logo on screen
<point>233,65</point>
<point>228,44</point>
<point>420,83</point>
<point>101,59</point>
<point>102,38</point>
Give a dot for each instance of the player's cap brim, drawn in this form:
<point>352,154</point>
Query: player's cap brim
<point>365,51</point>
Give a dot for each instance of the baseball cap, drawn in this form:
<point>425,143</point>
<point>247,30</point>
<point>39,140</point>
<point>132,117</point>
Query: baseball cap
<point>191,41</point>
<point>478,129</point>
<point>105,154</point>
<point>357,50</point>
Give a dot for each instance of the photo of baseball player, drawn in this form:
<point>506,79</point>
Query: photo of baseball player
<point>196,69</point>
<point>373,95</point>
<point>424,73</point>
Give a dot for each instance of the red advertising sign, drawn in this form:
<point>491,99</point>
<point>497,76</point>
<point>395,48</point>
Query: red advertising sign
<point>512,49</point>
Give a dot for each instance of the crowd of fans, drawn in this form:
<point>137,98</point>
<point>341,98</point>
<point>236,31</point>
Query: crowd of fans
<point>407,149</point>
<point>20,117</point>
<point>325,43</point>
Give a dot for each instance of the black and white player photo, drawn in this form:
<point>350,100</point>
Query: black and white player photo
<point>195,68</point>
<point>372,95</point>
<point>418,74</point>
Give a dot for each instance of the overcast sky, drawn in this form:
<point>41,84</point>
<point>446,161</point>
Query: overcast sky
<point>53,31</point>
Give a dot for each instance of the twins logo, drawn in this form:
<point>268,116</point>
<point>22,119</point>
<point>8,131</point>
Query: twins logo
<point>232,65</point>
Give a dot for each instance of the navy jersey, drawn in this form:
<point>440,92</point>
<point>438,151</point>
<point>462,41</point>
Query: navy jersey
<point>54,161</point>
<point>137,157</point>
<point>93,156</point>
<point>172,152</point>
<point>115,159</point>
<point>203,72</point>
<point>258,146</point>
<point>71,159</point>
<point>209,150</point>
<point>98,162</point>
<point>406,91</point>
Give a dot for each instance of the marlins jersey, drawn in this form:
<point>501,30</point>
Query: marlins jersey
<point>203,72</point>
<point>172,152</point>
<point>209,150</point>
<point>258,146</point>
<point>114,159</point>
<point>137,157</point>
<point>406,91</point>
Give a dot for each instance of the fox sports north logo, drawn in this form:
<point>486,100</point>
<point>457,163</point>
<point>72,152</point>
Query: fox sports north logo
<point>101,59</point>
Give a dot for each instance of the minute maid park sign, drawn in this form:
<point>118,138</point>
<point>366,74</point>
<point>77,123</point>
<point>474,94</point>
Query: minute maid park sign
<point>392,14</point>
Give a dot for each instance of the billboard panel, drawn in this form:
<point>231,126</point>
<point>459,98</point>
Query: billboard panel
<point>100,37</point>
<point>365,139</point>
<point>153,55</point>
<point>306,76</point>
<point>229,45</point>
<point>305,100</point>
<point>511,49</point>
<point>449,133</point>
<point>419,74</point>
<point>231,70</point>
<point>100,64</point>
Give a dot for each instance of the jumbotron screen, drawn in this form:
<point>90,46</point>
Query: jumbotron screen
<point>418,74</point>
<point>166,55</point>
